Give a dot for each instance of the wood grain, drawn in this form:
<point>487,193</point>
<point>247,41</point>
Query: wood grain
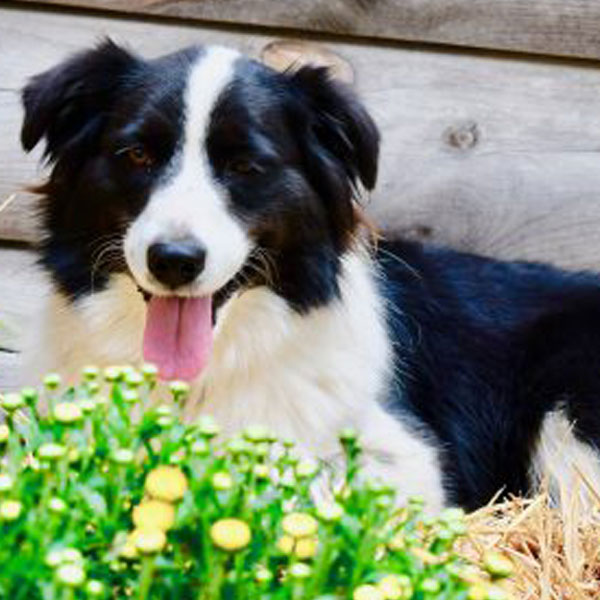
<point>499,156</point>
<point>22,290</point>
<point>555,27</point>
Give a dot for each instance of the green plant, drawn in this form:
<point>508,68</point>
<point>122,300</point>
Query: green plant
<point>108,494</point>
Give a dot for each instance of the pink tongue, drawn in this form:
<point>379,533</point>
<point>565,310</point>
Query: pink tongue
<point>178,335</point>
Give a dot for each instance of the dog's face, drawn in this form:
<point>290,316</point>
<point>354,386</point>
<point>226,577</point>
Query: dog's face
<point>196,174</point>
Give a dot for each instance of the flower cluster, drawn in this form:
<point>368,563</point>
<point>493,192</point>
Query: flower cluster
<point>107,493</point>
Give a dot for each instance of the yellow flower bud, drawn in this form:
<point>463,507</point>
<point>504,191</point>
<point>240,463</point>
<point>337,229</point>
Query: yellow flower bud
<point>4,432</point>
<point>306,548</point>
<point>299,525</point>
<point>166,483</point>
<point>154,513</point>
<point>230,534</point>
<point>285,544</point>
<point>148,540</point>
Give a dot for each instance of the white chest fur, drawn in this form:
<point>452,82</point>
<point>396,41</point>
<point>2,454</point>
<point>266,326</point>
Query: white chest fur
<point>305,376</point>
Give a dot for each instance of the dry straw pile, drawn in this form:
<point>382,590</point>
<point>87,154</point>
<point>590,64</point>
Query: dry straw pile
<point>556,551</point>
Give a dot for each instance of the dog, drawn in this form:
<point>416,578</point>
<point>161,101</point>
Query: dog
<point>201,214</point>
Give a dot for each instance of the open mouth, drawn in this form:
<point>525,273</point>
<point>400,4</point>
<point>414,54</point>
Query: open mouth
<point>178,334</point>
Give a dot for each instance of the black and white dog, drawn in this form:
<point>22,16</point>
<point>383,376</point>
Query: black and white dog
<point>200,215</point>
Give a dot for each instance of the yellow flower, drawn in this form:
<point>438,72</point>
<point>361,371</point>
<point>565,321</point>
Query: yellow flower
<point>300,525</point>
<point>154,513</point>
<point>286,544</point>
<point>367,592</point>
<point>148,540</point>
<point>166,483</point>
<point>306,548</point>
<point>230,534</point>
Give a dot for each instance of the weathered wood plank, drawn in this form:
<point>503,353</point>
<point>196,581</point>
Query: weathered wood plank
<point>9,364</point>
<point>22,289</point>
<point>556,27</point>
<point>499,156</point>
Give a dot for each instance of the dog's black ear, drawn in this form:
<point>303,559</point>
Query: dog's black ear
<point>71,100</point>
<point>340,123</point>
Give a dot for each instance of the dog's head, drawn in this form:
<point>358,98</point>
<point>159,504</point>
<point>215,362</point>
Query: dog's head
<point>196,173</point>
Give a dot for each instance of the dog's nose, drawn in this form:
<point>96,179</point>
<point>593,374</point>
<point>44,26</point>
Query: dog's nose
<point>175,264</point>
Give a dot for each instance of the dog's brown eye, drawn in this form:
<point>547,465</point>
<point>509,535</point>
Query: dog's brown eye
<point>139,157</point>
<point>243,166</point>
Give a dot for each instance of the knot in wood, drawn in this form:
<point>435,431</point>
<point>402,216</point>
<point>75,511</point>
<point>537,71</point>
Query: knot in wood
<point>462,136</point>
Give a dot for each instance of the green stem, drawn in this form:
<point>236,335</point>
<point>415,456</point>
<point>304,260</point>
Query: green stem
<point>146,577</point>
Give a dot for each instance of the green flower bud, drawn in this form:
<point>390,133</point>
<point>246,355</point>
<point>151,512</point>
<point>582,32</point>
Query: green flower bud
<point>306,468</point>
<point>261,471</point>
<point>130,396</point>
<point>180,390</point>
<point>94,588</point>
<point>134,379</point>
<point>70,575</point>
<point>52,381</point>
<point>300,570</point>
<point>207,426</point>
<point>262,574</point>
<point>87,406</point>
<point>90,373</point>
<point>164,410</point>
<point>222,481</point>
<point>93,387</point>
<point>57,505</point>
<point>10,510</point>
<point>4,432</point>
<point>51,451</point>
<point>200,448</point>
<point>149,372</point>
<point>330,512</point>
<point>30,395</point>
<point>6,482</point>
<point>165,422</point>
<point>67,413</point>
<point>12,402</point>
<point>257,433</point>
<point>430,585</point>
<point>123,456</point>
<point>348,434</point>
<point>112,374</point>
<point>497,565</point>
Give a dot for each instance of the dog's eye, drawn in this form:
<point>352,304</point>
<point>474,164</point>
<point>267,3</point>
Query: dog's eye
<point>243,166</point>
<point>139,157</point>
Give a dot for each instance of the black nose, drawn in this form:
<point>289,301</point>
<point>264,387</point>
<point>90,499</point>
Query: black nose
<point>175,264</point>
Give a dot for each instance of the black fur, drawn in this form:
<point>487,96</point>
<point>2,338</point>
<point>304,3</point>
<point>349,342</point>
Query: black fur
<point>486,349</point>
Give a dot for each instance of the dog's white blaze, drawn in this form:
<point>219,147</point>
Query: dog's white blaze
<point>569,466</point>
<point>191,203</point>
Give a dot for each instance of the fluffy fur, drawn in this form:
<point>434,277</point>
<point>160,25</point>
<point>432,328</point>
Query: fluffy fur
<point>453,367</point>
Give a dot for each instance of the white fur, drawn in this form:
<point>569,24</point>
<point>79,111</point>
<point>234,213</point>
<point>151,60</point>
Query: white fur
<point>191,204</point>
<point>306,376</point>
<point>571,467</point>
